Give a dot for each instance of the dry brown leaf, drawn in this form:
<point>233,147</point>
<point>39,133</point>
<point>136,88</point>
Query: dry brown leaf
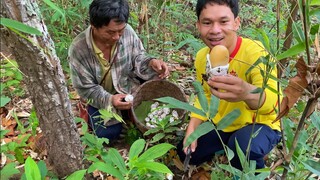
<point>295,88</point>
<point>9,124</point>
<point>318,68</point>
<point>7,140</point>
<point>178,164</point>
<point>111,178</point>
<point>38,143</point>
<point>180,68</point>
<point>201,175</point>
<point>316,43</point>
<point>3,112</point>
<point>96,173</point>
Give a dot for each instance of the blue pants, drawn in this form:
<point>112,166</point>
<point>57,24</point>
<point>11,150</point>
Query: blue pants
<point>210,143</point>
<point>96,123</point>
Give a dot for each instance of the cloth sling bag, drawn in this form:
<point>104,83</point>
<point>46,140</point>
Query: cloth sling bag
<point>83,105</point>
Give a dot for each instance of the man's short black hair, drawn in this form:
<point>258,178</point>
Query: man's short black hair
<point>233,4</point>
<point>101,12</point>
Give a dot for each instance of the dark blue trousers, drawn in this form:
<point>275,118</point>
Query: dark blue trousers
<point>210,143</point>
<point>96,123</point>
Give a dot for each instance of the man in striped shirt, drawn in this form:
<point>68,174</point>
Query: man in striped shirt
<point>108,61</point>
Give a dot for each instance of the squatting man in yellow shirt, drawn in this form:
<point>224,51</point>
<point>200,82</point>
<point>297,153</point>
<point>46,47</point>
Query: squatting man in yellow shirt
<point>218,22</point>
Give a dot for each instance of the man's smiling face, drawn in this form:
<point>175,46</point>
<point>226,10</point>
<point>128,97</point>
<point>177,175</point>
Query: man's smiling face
<point>217,26</point>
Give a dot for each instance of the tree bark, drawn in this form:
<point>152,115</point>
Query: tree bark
<point>45,81</point>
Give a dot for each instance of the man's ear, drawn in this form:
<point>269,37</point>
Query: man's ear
<point>237,23</point>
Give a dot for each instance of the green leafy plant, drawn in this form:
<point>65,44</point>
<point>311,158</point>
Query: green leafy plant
<point>140,164</point>
<point>8,171</point>
<point>94,146</point>
<point>34,170</point>
<point>249,169</point>
<point>11,81</point>
<point>133,134</point>
<point>65,20</point>
<point>14,150</point>
<point>16,25</point>
<point>208,111</point>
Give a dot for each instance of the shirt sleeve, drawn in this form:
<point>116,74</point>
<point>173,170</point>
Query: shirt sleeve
<point>141,58</point>
<point>85,78</point>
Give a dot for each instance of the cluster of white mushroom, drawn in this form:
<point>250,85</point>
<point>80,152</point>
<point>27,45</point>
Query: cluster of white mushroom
<point>158,113</point>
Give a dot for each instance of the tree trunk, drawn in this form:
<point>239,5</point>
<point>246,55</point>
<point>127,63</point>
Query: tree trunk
<point>45,81</point>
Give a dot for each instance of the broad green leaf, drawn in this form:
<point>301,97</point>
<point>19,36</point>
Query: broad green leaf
<point>272,89</point>
<point>3,132</point>
<point>201,130</point>
<point>252,166</point>
<point>136,148</point>
<point>117,160</point>
<point>257,91</point>
<point>316,13</point>
<point>92,158</point>
<point>263,175</point>
<point>278,169</point>
<point>230,153</point>
<point>298,32</point>
<point>142,110</point>
<point>2,85</point>
<point>152,131</point>
<point>155,152</point>
<point>118,117</point>
<point>231,169</point>
<point>315,120</point>
<point>176,122</point>
<point>312,166</point>
<point>32,171</point>
<point>242,157</point>
<point>201,96</point>
<point>264,38</point>
<point>171,129</point>
<point>157,137</point>
<point>4,100</point>
<point>84,124</point>
<point>10,23</point>
<point>8,170</point>
<point>155,166</point>
<point>107,168</point>
<point>213,108</point>
<point>288,125</point>
<point>77,175</point>
<point>43,169</point>
<point>294,50</point>
<point>191,42</point>
<point>105,113</point>
<point>180,105</point>
<point>228,119</point>
<point>255,134</point>
<point>255,65</point>
<point>315,3</point>
<point>19,155</point>
<point>314,29</point>
<point>57,9</point>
